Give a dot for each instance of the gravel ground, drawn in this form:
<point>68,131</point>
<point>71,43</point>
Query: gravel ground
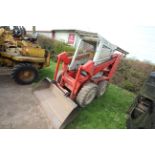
<point>19,109</point>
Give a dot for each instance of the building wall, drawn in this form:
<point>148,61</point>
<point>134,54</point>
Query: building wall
<point>64,36</point>
<point>60,36</point>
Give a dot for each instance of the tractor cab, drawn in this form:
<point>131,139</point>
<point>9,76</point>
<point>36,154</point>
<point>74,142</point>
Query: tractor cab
<point>94,48</point>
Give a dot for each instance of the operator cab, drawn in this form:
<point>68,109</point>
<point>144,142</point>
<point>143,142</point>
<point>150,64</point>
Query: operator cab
<point>94,48</point>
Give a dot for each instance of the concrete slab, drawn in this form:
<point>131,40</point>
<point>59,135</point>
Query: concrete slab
<point>19,109</point>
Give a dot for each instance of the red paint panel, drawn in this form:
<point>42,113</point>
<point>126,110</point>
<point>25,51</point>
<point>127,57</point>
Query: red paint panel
<point>74,80</point>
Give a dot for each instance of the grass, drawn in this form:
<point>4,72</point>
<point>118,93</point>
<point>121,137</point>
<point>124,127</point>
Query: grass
<point>108,111</point>
<point>48,72</point>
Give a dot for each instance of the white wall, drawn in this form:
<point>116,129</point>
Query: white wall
<point>63,36</point>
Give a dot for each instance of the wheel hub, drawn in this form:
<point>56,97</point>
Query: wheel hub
<point>90,96</point>
<point>26,75</point>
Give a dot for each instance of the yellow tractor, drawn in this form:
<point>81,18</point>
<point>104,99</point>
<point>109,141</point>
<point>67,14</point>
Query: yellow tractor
<point>20,55</point>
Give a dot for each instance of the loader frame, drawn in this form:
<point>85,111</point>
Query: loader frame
<point>74,80</point>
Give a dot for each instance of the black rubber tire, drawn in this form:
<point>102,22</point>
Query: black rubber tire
<point>23,67</point>
<point>87,94</point>
<point>102,87</point>
<point>59,75</point>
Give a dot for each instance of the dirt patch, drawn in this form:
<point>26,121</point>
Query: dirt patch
<point>19,109</point>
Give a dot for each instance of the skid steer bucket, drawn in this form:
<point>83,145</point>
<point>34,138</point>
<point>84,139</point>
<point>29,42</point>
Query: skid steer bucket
<point>58,108</point>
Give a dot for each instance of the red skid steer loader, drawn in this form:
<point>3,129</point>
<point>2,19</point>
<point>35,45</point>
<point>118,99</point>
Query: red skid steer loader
<point>82,77</point>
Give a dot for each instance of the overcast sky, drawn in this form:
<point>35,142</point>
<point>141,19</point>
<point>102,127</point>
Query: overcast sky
<point>129,24</point>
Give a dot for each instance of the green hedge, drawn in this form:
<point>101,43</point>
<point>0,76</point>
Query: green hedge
<point>53,46</point>
<point>131,74</point>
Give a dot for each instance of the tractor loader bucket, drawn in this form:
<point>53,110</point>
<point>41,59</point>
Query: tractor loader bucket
<point>58,108</point>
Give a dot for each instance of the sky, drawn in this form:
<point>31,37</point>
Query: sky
<point>129,24</point>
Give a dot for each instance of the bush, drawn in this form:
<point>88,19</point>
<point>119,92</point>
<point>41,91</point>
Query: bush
<point>45,43</point>
<point>53,46</point>
<point>131,74</point>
